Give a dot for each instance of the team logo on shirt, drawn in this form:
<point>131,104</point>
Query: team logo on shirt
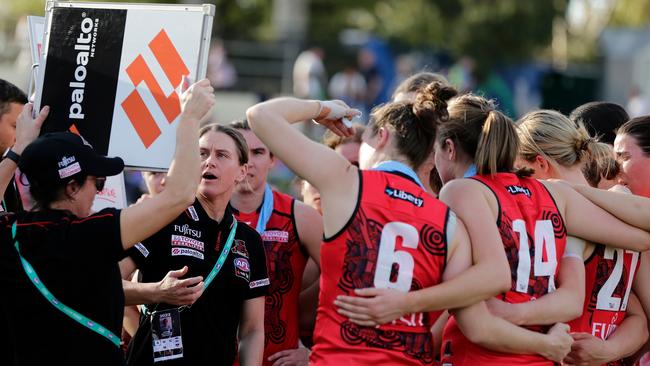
<point>276,235</point>
<point>404,196</point>
<point>514,190</point>
<point>184,241</point>
<point>187,252</point>
<point>239,247</point>
<point>242,268</point>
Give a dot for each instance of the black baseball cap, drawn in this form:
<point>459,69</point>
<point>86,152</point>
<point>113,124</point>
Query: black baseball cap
<point>54,157</point>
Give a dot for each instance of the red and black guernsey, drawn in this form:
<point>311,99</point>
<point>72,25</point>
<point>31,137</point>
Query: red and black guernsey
<point>609,274</point>
<point>534,238</point>
<point>396,238</point>
<point>286,260</point>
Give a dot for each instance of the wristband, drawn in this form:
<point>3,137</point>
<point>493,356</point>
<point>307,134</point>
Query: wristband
<point>11,155</point>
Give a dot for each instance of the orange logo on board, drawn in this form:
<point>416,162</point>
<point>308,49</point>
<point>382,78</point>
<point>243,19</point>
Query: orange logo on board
<point>174,68</point>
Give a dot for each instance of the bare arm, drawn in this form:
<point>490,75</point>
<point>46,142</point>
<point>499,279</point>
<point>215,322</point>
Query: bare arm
<point>310,229</point>
<point>131,319</point>
<point>251,332</point>
<point>587,221</point>
<point>460,287</point>
<point>143,219</point>
<point>335,178</point>
<point>170,290</point>
<point>633,209</point>
<point>27,130</point>
<point>625,341</point>
<point>563,305</point>
<point>486,330</point>
<point>465,285</point>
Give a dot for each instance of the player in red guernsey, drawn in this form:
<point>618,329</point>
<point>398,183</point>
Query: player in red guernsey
<point>534,267</point>
<point>556,147</point>
<point>291,232</point>
<point>632,150</point>
<point>381,227</point>
<point>530,219</point>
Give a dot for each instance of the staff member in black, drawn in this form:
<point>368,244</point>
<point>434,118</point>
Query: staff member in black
<point>58,263</point>
<point>231,308</point>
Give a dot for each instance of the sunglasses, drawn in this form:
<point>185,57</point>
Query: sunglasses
<point>99,183</point>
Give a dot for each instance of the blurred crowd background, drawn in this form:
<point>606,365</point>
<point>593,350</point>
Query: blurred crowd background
<point>553,54</point>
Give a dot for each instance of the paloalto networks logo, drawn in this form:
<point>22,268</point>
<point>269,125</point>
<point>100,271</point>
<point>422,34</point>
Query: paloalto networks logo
<point>85,47</point>
<point>138,71</point>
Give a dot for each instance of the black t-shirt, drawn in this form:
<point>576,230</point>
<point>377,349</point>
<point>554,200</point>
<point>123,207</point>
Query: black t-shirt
<point>10,203</point>
<point>209,327</point>
<point>76,259</point>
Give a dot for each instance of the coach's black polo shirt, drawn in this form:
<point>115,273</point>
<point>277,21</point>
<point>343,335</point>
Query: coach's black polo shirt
<point>77,260</point>
<point>209,327</point>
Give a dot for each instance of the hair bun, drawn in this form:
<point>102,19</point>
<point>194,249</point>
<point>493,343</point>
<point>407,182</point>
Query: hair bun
<point>431,102</point>
<point>584,144</point>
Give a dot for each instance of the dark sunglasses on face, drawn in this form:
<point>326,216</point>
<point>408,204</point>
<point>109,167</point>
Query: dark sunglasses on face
<point>99,183</point>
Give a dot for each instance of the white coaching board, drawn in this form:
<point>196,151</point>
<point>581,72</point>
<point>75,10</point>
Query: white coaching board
<point>111,72</point>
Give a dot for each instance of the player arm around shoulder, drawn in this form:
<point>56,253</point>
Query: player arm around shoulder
<point>584,219</point>
<point>460,287</point>
<point>141,220</point>
<point>334,176</point>
<point>633,209</point>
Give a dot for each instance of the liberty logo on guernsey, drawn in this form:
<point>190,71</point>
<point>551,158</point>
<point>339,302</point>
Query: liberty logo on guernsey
<point>518,190</point>
<point>134,106</point>
<point>404,196</point>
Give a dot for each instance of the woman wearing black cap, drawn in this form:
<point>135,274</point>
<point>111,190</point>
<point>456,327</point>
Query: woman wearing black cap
<point>54,313</point>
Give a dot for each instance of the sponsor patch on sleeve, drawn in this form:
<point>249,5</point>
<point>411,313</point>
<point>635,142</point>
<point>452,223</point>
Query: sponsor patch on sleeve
<point>259,283</point>
<point>142,249</point>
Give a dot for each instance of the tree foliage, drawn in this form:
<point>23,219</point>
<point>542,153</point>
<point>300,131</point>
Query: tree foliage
<point>490,31</point>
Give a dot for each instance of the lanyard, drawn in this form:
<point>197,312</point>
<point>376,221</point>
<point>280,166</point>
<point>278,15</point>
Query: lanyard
<point>470,172</point>
<point>79,318</point>
<point>222,256</point>
<point>396,166</point>
<point>217,266</point>
<point>266,211</point>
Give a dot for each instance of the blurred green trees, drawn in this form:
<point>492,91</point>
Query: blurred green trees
<point>491,31</point>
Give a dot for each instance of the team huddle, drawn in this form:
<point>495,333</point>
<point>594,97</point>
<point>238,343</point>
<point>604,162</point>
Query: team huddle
<point>453,236</point>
